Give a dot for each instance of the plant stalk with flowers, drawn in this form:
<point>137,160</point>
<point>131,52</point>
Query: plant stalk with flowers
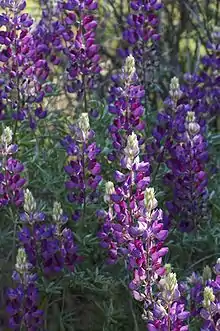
<point>83,168</point>
<point>179,143</point>
<point>125,103</point>
<point>23,300</point>
<point>11,181</point>
<point>23,70</point>
<point>50,247</point>
<point>142,33</point>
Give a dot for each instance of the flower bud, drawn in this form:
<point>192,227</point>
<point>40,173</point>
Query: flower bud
<point>129,67</point>
<point>6,138</point>
<point>22,265</point>
<point>29,202</point>
<point>175,91</point>
<point>57,212</point>
<point>149,199</point>
<point>193,128</point>
<point>208,297</point>
<point>83,124</point>
<point>207,274</point>
<point>109,189</point>
<point>190,117</point>
<point>171,282</point>
<point>131,150</point>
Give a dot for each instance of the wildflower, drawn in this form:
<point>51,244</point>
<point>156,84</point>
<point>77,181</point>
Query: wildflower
<point>23,70</point>
<point>23,301</point>
<point>11,182</point>
<point>84,171</point>
<point>125,104</point>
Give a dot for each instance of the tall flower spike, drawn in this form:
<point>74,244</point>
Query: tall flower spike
<point>23,301</point>
<point>141,34</point>
<point>83,168</point>
<point>179,144</point>
<point>11,182</point>
<point>23,70</point>
<point>125,103</point>
<point>133,228</point>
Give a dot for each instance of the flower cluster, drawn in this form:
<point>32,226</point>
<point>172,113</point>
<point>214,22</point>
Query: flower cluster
<point>76,49</point>
<point>11,182</point>
<point>141,34</point>
<point>133,227</point>
<point>49,247</point>
<point>125,104</point>
<point>23,68</point>
<point>167,312</point>
<point>83,168</point>
<point>180,144</point>
<point>205,297</point>
<point>209,76</point>
<point>23,301</point>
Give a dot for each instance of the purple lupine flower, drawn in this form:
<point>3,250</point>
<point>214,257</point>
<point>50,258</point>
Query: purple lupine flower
<point>180,144</point>
<point>23,301</point>
<point>83,168</point>
<point>125,104</point>
<point>133,227</point>
<point>133,230</point>
<point>205,297</point>
<point>49,247</point>
<point>76,51</point>
<point>167,312</point>
<point>209,75</point>
<point>11,182</point>
<point>23,70</point>
<point>142,35</point>
<point>83,53</point>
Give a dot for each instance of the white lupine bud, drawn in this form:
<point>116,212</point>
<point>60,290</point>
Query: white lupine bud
<point>193,128</point>
<point>22,265</point>
<point>29,202</point>
<point>129,67</point>
<point>6,138</point>
<point>109,189</point>
<point>209,297</point>
<point>190,116</point>
<point>171,282</point>
<point>191,125</point>
<point>175,91</point>
<point>57,212</point>
<point>168,286</point>
<point>83,124</point>
<point>149,199</point>
<point>131,151</point>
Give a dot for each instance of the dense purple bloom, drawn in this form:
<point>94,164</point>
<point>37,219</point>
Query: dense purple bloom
<point>179,143</point>
<point>49,247</point>
<point>210,77</point>
<point>23,301</point>
<point>142,34</point>
<point>11,181</point>
<point>205,297</point>
<point>76,51</point>
<point>125,103</point>
<point>133,227</point>
<point>23,71</point>
<point>83,168</point>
